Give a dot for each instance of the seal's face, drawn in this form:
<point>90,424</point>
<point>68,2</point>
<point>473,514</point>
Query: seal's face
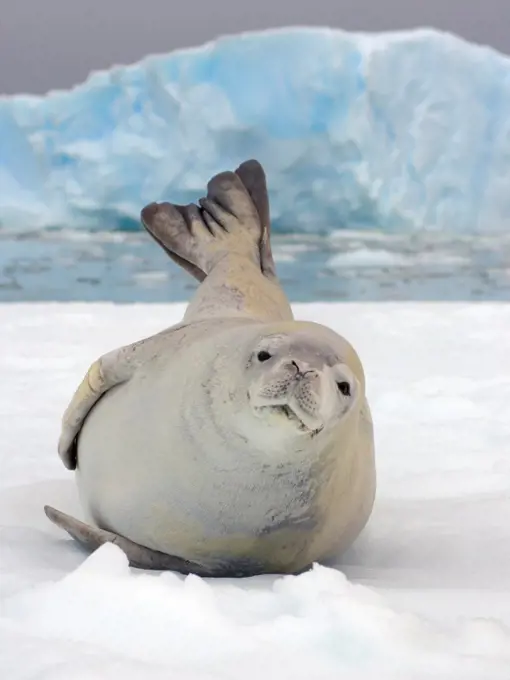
<point>294,378</point>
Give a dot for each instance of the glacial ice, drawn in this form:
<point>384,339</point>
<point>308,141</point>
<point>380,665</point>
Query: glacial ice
<point>397,131</point>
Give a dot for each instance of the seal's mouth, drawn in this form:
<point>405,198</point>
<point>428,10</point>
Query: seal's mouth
<point>290,414</point>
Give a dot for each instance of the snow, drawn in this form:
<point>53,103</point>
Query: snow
<point>424,593</point>
<point>395,131</point>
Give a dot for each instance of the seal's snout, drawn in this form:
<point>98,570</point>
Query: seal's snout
<point>294,391</point>
<point>285,378</point>
<point>306,399</point>
<point>302,370</point>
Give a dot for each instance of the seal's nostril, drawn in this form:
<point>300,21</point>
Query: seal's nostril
<point>295,365</point>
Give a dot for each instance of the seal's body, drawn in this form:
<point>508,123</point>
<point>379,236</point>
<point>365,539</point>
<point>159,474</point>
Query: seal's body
<point>237,442</point>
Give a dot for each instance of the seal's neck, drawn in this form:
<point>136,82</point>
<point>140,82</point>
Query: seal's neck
<point>236,287</point>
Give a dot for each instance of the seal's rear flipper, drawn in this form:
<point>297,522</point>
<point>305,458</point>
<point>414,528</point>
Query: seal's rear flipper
<point>233,217</point>
<point>226,222</point>
<point>254,179</point>
<point>192,269</point>
<point>139,556</point>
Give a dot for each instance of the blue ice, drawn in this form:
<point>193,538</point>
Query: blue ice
<point>396,131</point>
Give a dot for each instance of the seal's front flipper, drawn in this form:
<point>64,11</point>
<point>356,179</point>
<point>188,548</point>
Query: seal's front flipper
<point>110,370</point>
<point>227,222</point>
<point>89,391</point>
<point>139,556</point>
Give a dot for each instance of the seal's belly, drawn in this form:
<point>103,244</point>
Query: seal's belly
<point>145,478</point>
<point>262,518</point>
<point>270,524</point>
<point>267,524</point>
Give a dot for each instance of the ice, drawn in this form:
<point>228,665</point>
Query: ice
<point>365,257</point>
<point>374,258</point>
<point>394,131</point>
<point>424,593</point>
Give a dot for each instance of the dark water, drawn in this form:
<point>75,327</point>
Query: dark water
<point>357,266</point>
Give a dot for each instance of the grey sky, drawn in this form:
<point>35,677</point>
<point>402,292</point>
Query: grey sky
<point>47,44</point>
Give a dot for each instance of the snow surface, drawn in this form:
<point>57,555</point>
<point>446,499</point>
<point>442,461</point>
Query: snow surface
<point>424,593</point>
<point>393,131</point>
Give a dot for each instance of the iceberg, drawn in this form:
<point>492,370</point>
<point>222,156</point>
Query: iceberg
<point>399,131</point>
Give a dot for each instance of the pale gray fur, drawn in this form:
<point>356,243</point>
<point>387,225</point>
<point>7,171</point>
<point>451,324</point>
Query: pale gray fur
<point>232,473</point>
<point>191,445</point>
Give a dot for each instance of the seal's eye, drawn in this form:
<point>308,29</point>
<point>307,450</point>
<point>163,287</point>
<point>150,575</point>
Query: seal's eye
<point>344,388</point>
<point>263,355</point>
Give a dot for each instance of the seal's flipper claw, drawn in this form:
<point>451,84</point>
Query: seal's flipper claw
<point>253,177</point>
<point>138,556</point>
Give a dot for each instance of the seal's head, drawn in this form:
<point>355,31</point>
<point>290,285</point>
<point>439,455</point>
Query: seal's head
<point>297,378</point>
